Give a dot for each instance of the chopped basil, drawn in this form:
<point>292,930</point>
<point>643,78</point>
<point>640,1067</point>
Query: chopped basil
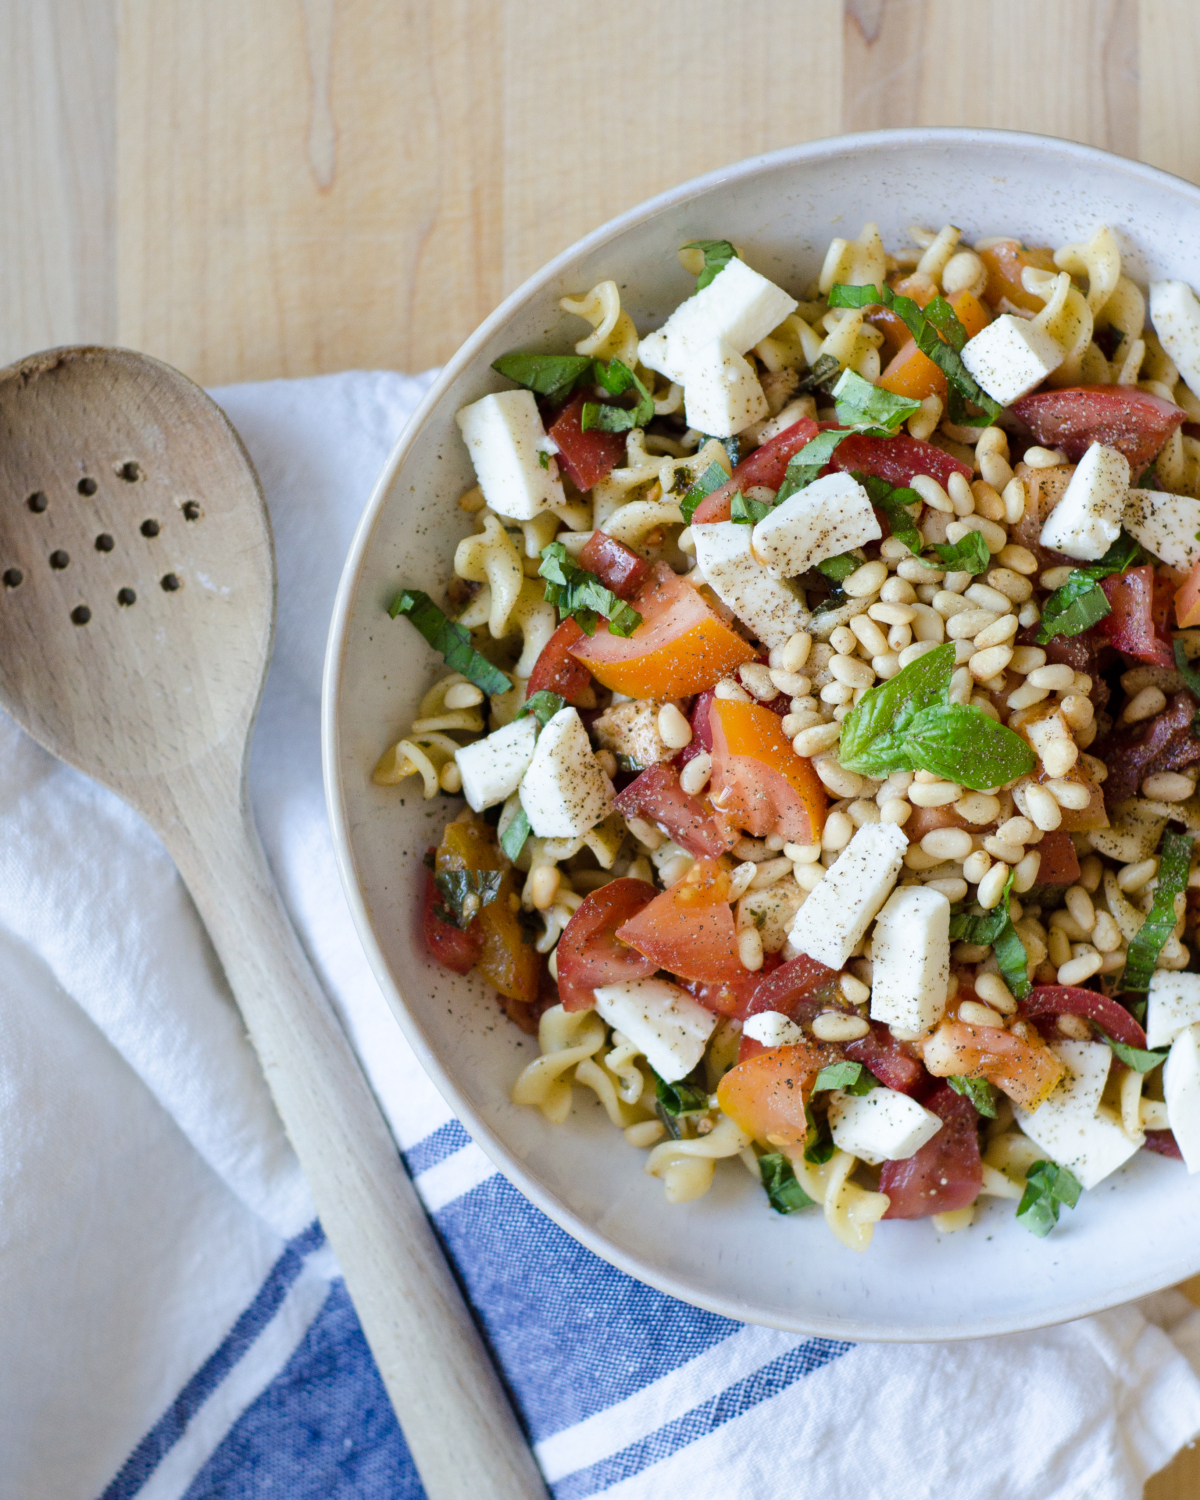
<point>712,479</point>
<point>968,555</point>
<point>733,449</point>
<point>823,375</point>
<point>839,568</point>
<point>543,705</point>
<point>512,840</point>
<point>1046,1187</point>
<point>872,732</point>
<point>717,255</point>
<point>543,458</point>
<point>1191,680</point>
<point>1136,1058</point>
<point>616,379</point>
<point>995,928</point>
<point>466,893</point>
<point>803,467</point>
<point>452,640</point>
<point>682,1098</point>
<point>551,375</point>
<point>861,404</point>
<point>851,1077</point>
<point>979,1091</point>
<point>1148,940</point>
<point>1080,602</point>
<point>784,1192</point>
<point>576,593</point>
<point>748,512</point>
<point>958,742</point>
<point>818,1143</point>
<point>894,503</point>
<point>1012,959</point>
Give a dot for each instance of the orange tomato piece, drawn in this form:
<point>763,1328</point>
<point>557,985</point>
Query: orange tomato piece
<point>914,374</point>
<point>681,646</point>
<point>767,1093</point>
<point>689,930</point>
<point>508,963</point>
<point>758,780</point>
<point>921,289</point>
<point>1024,1067</point>
<point>1187,600</point>
<point>1004,263</point>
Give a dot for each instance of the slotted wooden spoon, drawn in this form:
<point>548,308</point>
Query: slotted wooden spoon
<point>136,614</point>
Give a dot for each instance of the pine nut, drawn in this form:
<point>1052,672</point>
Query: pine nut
<point>1065,922</point>
<point>1058,677</point>
<point>808,877</point>
<point>1025,873</point>
<point>916,859</point>
<point>992,440</point>
<point>794,654</point>
<point>729,691</point>
<point>1069,794</point>
<point>914,652</point>
<point>948,603</point>
<point>1133,877</point>
<point>1054,578</point>
<point>966,624</point>
<point>1016,498</point>
<point>756,679</point>
<point>837,1026</point>
<point>673,729</point>
<point>842,642</point>
<point>1106,935</point>
<point>993,534</point>
<point>694,776</point>
<point>739,881</point>
<point>897,591</point>
<point>1027,659</point>
<point>607,762</point>
<point>937,794</point>
<point>1009,851</point>
<point>993,991</point>
<point>1059,946</point>
<point>987,500</point>
<point>991,887</point>
<point>995,468</point>
<point>750,948</point>
<point>885,666</point>
<point>988,598</point>
<point>852,671</point>
<point>1077,710</point>
<point>889,614</point>
<point>1059,757</point>
<point>978,808</point>
<point>865,580</point>
<point>1018,558</point>
<point>1044,811</point>
<point>544,881</point>
<point>1010,586</point>
<point>1017,831</point>
<point>1076,970</point>
<point>854,989</point>
<point>976,865</point>
<point>1079,904</point>
<point>816,739</point>
<point>987,664</point>
<point>1075,1027</point>
<point>998,634</point>
<point>947,843</point>
<point>463,695</point>
<point>841,783</point>
<point>975,1014</point>
<point>1038,457</point>
<point>838,831</point>
<point>645,833</point>
<point>836,692</point>
<point>1168,786</point>
<point>932,493</point>
<point>1091,872</point>
<point>962,685</point>
<point>450,778</point>
<point>791,683</point>
<point>863,810</point>
<point>1026,695</point>
<point>953,887</point>
<point>960,494</point>
<point>802,854</point>
<point>895,810</point>
<point>1144,705</point>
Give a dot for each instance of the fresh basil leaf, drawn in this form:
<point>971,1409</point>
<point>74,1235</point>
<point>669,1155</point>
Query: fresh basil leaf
<point>617,378</point>
<point>550,375</point>
<point>818,1143</point>
<point>466,893</point>
<point>733,450</point>
<point>512,840</point>
<point>717,255</point>
<point>822,376</point>
<point>1080,602</point>
<point>861,404</point>
<point>995,928</point>
<point>1013,960</point>
<point>803,467</point>
<point>1046,1187</point>
<point>1136,1058</point>
<point>543,459</point>
<point>784,1192</point>
<point>712,479</point>
<point>968,555</point>
<point>682,1098</point>
<point>979,1091</point>
<point>748,512</point>
<point>1148,940</point>
<point>576,593</point>
<point>543,705</point>
<point>842,1075</point>
<point>840,567</point>
<point>894,503</point>
<point>1191,680</point>
<point>883,712</point>
<point>960,743</point>
<point>452,640</point>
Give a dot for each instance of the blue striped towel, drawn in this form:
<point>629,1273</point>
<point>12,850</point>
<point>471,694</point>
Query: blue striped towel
<point>171,1320</point>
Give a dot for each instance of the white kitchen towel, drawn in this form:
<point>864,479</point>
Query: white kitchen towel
<point>171,1322</point>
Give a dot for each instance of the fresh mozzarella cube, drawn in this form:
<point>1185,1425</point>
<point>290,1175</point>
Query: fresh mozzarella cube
<point>564,791</point>
<point>1175,313</point>
<point>1087,520</point>
<point>835,916</point>
<point>492,767</point>
<point>1010,357</point>
<point>773,1029</point>
<point>771,608</point>
<point>1173,1004</point>
<point>910,959</point>
<point>722,395</point>
<point>1166,525</point>
<point>827,518</point>
<point>1070,1126</point>
<point>504,435</point>
<point>665,1024</point>
<point>738,305</point>
<point>883,1125</point>
<point>1181,1089</point>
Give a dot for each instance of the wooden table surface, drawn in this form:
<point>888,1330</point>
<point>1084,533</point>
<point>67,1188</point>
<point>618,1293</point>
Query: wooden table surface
<point>254,188</point>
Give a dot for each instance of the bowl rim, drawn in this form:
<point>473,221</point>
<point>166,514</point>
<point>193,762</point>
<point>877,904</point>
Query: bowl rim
<point>511,1166</point>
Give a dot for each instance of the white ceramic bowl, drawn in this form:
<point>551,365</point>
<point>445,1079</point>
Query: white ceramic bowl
<point>1140,1230</point>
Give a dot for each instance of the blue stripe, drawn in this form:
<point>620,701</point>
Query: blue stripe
<point>435,1148</point>
<point>170,1427</point>
<point>738,1399</point>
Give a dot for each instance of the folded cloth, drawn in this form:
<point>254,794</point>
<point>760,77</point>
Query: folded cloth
<point>171,1321</point>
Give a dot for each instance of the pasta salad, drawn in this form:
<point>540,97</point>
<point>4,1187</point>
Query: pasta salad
<point>819,682</point>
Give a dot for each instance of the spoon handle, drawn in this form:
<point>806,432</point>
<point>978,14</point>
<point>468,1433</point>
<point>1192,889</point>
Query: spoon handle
<point>458,1423</point>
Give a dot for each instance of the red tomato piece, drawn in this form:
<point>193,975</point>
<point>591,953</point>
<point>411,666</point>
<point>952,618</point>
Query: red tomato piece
<point>1187,600</point>
<point>1163,743</point>
<point>798,989</point>
<point>732,997</point>
<point>758,780</point>
<point>896,459</point>
<point>454,947</point>
<point>657,795</point>
<point>1130,625</point>
<point>1134,422</point>
<point>1163,1143</point>
<point>1071,1000</point>
<point>766,466</point>
<point>891,1061</point>
<point>556,669</point>
<point>1060,863</point>
<point>584,457</point>
<point>946,1173</point>
<point>689,929</point>
<point>589,951</point>
<point>617,566</point>
<point>701,740</point>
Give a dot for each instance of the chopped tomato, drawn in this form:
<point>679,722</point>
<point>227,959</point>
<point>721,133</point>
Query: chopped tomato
<point>1060,863</point>
<point>1119,416</point>
<point>896,459</point>
<point>766,1095</point>
<point>946,1173</point>
<point>689,929</point>
<point>617,566</point>
<point>556,669</point>
<point>925,819</point>
<point>758,780</point>
<point>1024,1067</point>
<point>680,647</point>
<point>589,951</point>
<point>913,374</point>
<point>766,466</point>
<point>893,1062</point>
<point>1163,1143</point>
<point>701,740</point>
<point>585,457</point>
<point>657,795</point>
<point>1187,600</point>
<point>798,989</point>
<point>1110,1015</point>
<point>1131,625</point>
<point>1005,262</point>
<point>454,947</point>
<point>733,996</point>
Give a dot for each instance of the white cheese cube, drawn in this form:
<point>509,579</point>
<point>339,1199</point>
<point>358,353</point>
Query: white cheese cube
<point>773,1029</point>
<point>1166,525</point>
<point>1175,313</point>
<point>1181,1089</point>
<point>1173,1004</point>
<point>910,959</point>
<point>738,305</point>
<point>834,918</point>
<point>827,518</point>
<point>564,791</point>
<point>771,608</point>
<point>883,1125</point>
<point>492,767</point>
<point>1070,1126</point>
<point>663,1022</point>
<point>722,395</point>
<point>504,435</point>
<point>1087,520</point>
<point>1010,357</point>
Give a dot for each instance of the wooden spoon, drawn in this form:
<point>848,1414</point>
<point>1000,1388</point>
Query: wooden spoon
<point>136,614</point>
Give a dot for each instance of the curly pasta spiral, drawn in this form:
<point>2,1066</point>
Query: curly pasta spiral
<point>613,335</point>
<point>687,1167</point>
<point>566,1039</point>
